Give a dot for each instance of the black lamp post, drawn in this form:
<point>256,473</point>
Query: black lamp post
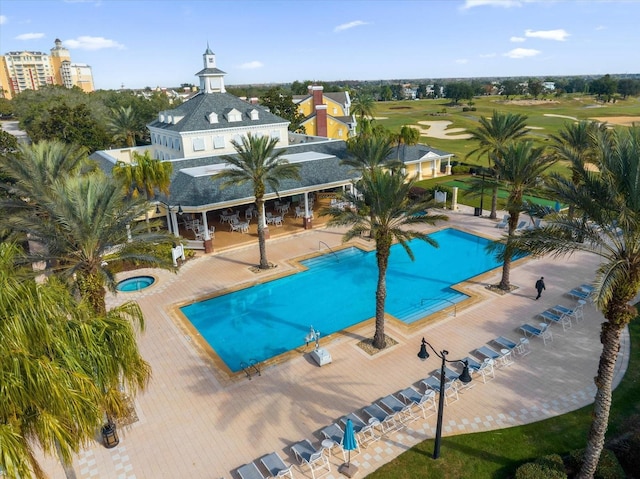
<point>465,378</point>
<point>110,435</point>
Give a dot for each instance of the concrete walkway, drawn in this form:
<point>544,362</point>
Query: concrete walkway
<point>195,423</point>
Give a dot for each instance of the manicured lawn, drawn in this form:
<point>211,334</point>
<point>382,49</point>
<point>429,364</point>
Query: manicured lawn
<point>398,113</point>
<point>497,454</point>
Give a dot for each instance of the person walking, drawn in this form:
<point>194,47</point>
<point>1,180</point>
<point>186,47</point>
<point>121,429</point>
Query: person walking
<point>540,286</point>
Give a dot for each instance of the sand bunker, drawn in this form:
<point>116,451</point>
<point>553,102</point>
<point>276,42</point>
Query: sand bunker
<point>561,116</point>
<point>619,120</point>
<point>534,127</point>
<point>438,129</point>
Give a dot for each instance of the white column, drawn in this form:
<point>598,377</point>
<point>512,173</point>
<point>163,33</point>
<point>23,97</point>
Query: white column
<point>174,223</point>
<point>264,216</point>
<point>169,223</point>
<point>454,199</point>
<point>205,225</point>
<point>306,204</point>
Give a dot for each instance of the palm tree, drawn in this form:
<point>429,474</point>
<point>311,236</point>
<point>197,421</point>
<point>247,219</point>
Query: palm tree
<point>125,125</point>
<point>144,175</point>
<point>86,227</point>
<point>611,201</point>
<point>574,144</point>
<point>407,136</point>
<point>363,106</point>
<point>367,152</point>
<point>258,163</point>
<point>57,360</point>
<point>383,209</point>
<point>493,135</point>
<point>519,166</point>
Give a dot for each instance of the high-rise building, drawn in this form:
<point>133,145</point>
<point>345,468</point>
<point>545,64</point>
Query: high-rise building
<point>20,71</point>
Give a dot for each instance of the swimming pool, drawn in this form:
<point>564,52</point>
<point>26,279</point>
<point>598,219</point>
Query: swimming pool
<point>336,292</point>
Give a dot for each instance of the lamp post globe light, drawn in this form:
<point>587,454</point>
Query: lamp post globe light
<point>465,378</point>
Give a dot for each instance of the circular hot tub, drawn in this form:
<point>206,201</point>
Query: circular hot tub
<point>134,284</point>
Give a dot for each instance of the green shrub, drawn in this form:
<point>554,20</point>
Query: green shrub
<point>460,170</point>
<point>626,450</point>
<point>546,467</point>
<point>608,467</point>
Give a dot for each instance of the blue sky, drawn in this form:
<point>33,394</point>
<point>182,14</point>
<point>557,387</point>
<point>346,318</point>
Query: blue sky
<point>139,43</point>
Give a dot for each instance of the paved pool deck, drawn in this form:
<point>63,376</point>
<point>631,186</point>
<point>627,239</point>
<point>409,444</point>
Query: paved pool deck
<point>195,423</point>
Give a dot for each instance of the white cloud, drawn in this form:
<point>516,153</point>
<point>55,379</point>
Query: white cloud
<point>462,61</point>
<point>522,53</point>
<point>559,35</point>
<point>492,3</point>
<point>347,26</point>
<point>517,39</point>
<point>30,36</point>
<point>251,65</point>
<point>3,19</point>
<point>92,43</point>
<point>487,55</point>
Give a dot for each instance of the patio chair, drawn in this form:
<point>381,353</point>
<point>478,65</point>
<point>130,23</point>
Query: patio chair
<point>487,352</point>
<point>378,417</point>
<point>503,222</point>
<point>579,293</point>
<point>562,319</point>
<point>334,433</point>
<point>308,455</point>
<point>538,332</point>
<point>425,402</point>
<point>275,465</point>
<point>450,387</point>
<point>505,343</point>
<point>523,348</point>
<point>250,471</point>
<point>521,226</point>
<point>364,432</point>
<point>535,225</point>
<point>400,410</point>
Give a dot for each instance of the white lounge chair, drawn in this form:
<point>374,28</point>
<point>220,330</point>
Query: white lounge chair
<point>503,222</point>
<point>579,293</point>
<point>553,316</point>
<point>521,226</point>
<point>386,421</point>
<point>401,412</point>
<point>275,465</point>
<point>426,402</point>
<point>539,332</point>
<point>364,432</point>
<point>250,471</point>
<point>308,455</point>
<point>335,434</point>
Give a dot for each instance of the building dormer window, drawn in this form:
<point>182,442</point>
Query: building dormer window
<point>254,115</point>
<point>233,115</point>
<point>212,117</point>
<point>161,117</point>
<point>176,119</point>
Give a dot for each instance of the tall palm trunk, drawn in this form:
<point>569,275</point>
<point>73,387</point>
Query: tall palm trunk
<point>610,338</point>
<point>92,289</point>
<point>382,256</point>
<point>505,282</point>
<point>494,203</point>
<point>262,244</point>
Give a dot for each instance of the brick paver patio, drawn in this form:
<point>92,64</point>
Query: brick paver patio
<point>194,423</point>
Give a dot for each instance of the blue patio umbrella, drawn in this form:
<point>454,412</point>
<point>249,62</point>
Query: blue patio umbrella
<point>349,444</point>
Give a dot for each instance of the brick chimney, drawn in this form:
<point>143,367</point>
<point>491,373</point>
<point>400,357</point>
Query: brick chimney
<point>321,120</point>
<point>316,91</point>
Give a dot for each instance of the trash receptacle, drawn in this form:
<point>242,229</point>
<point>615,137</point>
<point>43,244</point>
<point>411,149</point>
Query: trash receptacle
<point>477,212</point>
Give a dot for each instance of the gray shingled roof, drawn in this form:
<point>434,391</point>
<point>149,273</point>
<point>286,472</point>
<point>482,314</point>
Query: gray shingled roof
<point>189,191</point>
<point>196,110</point>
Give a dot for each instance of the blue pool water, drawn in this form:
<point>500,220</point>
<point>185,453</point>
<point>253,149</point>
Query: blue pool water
<point>336,292</point>
<point>135,284</point>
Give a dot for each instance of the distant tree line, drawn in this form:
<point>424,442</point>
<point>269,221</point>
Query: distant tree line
<point>98,120</point>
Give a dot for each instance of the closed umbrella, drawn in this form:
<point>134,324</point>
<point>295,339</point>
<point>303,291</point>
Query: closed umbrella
<point>348,444</point>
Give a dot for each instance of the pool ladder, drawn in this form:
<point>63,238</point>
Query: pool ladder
<point>329,248</point>
<point>252,365</point>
